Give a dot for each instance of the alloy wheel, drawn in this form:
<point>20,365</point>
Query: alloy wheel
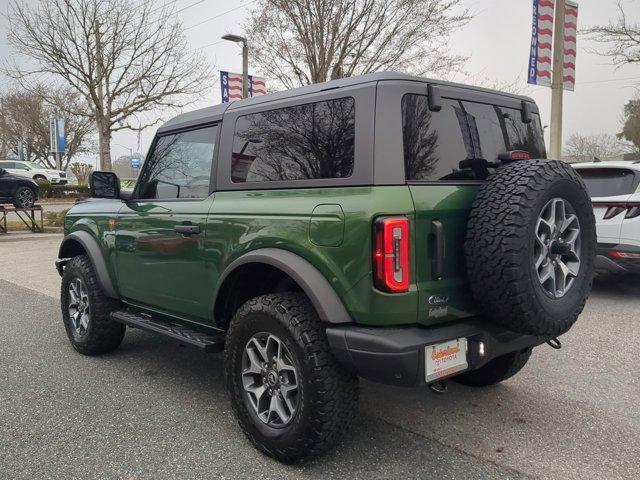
<point>270,379</point>
<point>557,247</point>
<point>78,309</point>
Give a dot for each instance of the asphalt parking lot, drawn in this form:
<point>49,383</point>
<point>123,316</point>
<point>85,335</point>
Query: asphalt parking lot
<point>156,410</point>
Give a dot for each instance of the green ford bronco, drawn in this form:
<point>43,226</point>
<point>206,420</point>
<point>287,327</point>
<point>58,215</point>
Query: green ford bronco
<point>388,227</point>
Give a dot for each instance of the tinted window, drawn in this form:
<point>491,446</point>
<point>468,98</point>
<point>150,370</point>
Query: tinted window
<point>434,142</point>
<point>520,135</point>
<point>608,182</point>
<point>311,141</point>
<point>180,165</point>
<point>6,164</point>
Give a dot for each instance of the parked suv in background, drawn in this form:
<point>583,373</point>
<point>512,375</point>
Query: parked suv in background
<point>385,226</point>
<point>35,171</point>
<point>615,191</point>
<point>20,191</point>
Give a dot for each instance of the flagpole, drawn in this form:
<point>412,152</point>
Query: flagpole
<point>555,140</point>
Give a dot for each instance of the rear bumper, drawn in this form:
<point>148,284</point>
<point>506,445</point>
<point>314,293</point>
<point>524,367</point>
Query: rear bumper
<point>607,262</point>
<point>395,356</point>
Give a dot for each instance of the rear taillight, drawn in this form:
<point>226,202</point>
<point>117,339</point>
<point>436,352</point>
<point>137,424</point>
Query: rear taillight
<point>391,254</point>
<point>616,208</point>
<point>513,155</point>
<point>629,255</point>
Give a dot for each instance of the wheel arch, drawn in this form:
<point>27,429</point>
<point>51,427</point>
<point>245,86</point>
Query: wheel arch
<point>292,267</point>
<point>83,243</point>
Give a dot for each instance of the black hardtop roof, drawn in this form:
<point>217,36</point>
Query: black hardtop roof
<point>215,112</point>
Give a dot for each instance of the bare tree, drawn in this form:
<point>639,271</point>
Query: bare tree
<point>82,171</point>
<point>620,38</point>
<point>24,116</point>
<point>300,42</point>
<point>125,58</point>
<point>584,148</point>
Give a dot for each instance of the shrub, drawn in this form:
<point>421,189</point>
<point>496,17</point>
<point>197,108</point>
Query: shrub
<point>46,190</point>
<point>55,219</point>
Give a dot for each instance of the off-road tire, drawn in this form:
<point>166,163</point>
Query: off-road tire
<point>328,394</point>
<point>103,334</point>
<point>18,202</point>
<point>496,371</point>
<point>499,247</point>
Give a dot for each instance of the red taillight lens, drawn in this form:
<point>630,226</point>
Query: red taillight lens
<point>616,208</point>
<point>616,254</point>
<point>391,254</point>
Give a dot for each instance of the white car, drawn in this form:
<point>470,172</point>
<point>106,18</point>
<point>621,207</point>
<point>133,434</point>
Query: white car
<point>35,171</point>
<point>614,188</point>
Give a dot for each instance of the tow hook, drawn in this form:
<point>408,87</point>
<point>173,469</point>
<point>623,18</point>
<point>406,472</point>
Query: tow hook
<point>438,387</point>
<point>555,343</point>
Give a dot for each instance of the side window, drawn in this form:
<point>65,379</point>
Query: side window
<point>6,164</point>
<point>179,166</point>
<point>310,141</point>
<point>20,166</point>
<point>435,142</point>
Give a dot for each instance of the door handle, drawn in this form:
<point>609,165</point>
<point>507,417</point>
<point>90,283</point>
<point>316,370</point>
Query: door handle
<point>437,262</point>
<point>187,229</point>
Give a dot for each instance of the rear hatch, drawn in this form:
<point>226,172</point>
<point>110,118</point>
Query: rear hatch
<point>440,146</point>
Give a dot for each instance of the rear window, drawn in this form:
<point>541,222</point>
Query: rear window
<point>6,164</point>
<point>310,141</point>
<point>609,182</point>
<point>436,142</point>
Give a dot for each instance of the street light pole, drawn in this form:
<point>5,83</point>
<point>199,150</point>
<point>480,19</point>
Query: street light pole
<point>245,70</point>
<point>245,60</point>
<point>555,131</point>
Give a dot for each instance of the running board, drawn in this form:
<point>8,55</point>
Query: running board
<point>180,333</point>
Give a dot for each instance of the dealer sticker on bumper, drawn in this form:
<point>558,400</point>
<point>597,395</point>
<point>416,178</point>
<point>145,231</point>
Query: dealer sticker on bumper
<point>444,359</point>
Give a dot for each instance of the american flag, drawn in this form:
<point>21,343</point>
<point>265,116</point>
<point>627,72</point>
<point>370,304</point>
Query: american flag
<point>569,57</point>
<point>231,86</point>
<point>541,43</point>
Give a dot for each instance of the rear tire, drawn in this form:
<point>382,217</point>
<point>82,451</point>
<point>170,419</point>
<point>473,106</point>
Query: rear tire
<point>24,198</point>
<point>496,371</point>
<point>86,310</point>
<point>326,395</point>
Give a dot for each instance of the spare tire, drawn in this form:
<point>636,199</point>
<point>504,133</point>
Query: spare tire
<point>530,247</point>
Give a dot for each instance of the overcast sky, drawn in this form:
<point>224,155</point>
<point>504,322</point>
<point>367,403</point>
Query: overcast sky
<point>496,41</point>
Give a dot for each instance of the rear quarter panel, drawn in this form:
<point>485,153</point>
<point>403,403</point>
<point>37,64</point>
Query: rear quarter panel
<point>241,221</point>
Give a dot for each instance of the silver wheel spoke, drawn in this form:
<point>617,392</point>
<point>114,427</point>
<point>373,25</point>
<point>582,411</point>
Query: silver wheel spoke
<point>269,378</point>
<point>557,247</point>
<point>78,307</point>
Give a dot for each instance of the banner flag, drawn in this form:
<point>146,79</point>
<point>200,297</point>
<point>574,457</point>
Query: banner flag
<point>231,86</point>
<point>569,55</point>
<point>540,56</point>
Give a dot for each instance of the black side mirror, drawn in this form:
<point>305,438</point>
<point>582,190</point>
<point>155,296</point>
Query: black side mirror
<point>104,185</point>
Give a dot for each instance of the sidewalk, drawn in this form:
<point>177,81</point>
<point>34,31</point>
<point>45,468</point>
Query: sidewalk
<point>27,259</point>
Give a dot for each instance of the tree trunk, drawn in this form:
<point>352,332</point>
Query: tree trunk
<point>104,144</point>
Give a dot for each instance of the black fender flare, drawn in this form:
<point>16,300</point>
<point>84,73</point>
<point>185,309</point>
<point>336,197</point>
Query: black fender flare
<point>90,245</point>
<point>324,298</point>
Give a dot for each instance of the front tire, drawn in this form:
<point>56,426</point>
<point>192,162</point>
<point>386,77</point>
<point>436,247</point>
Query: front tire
<point>300,401</point>
<point>86,310</point>
<point>496,371</point>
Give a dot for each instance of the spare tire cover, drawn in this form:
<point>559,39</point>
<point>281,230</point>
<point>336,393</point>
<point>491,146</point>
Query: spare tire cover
<point>530,247</point>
